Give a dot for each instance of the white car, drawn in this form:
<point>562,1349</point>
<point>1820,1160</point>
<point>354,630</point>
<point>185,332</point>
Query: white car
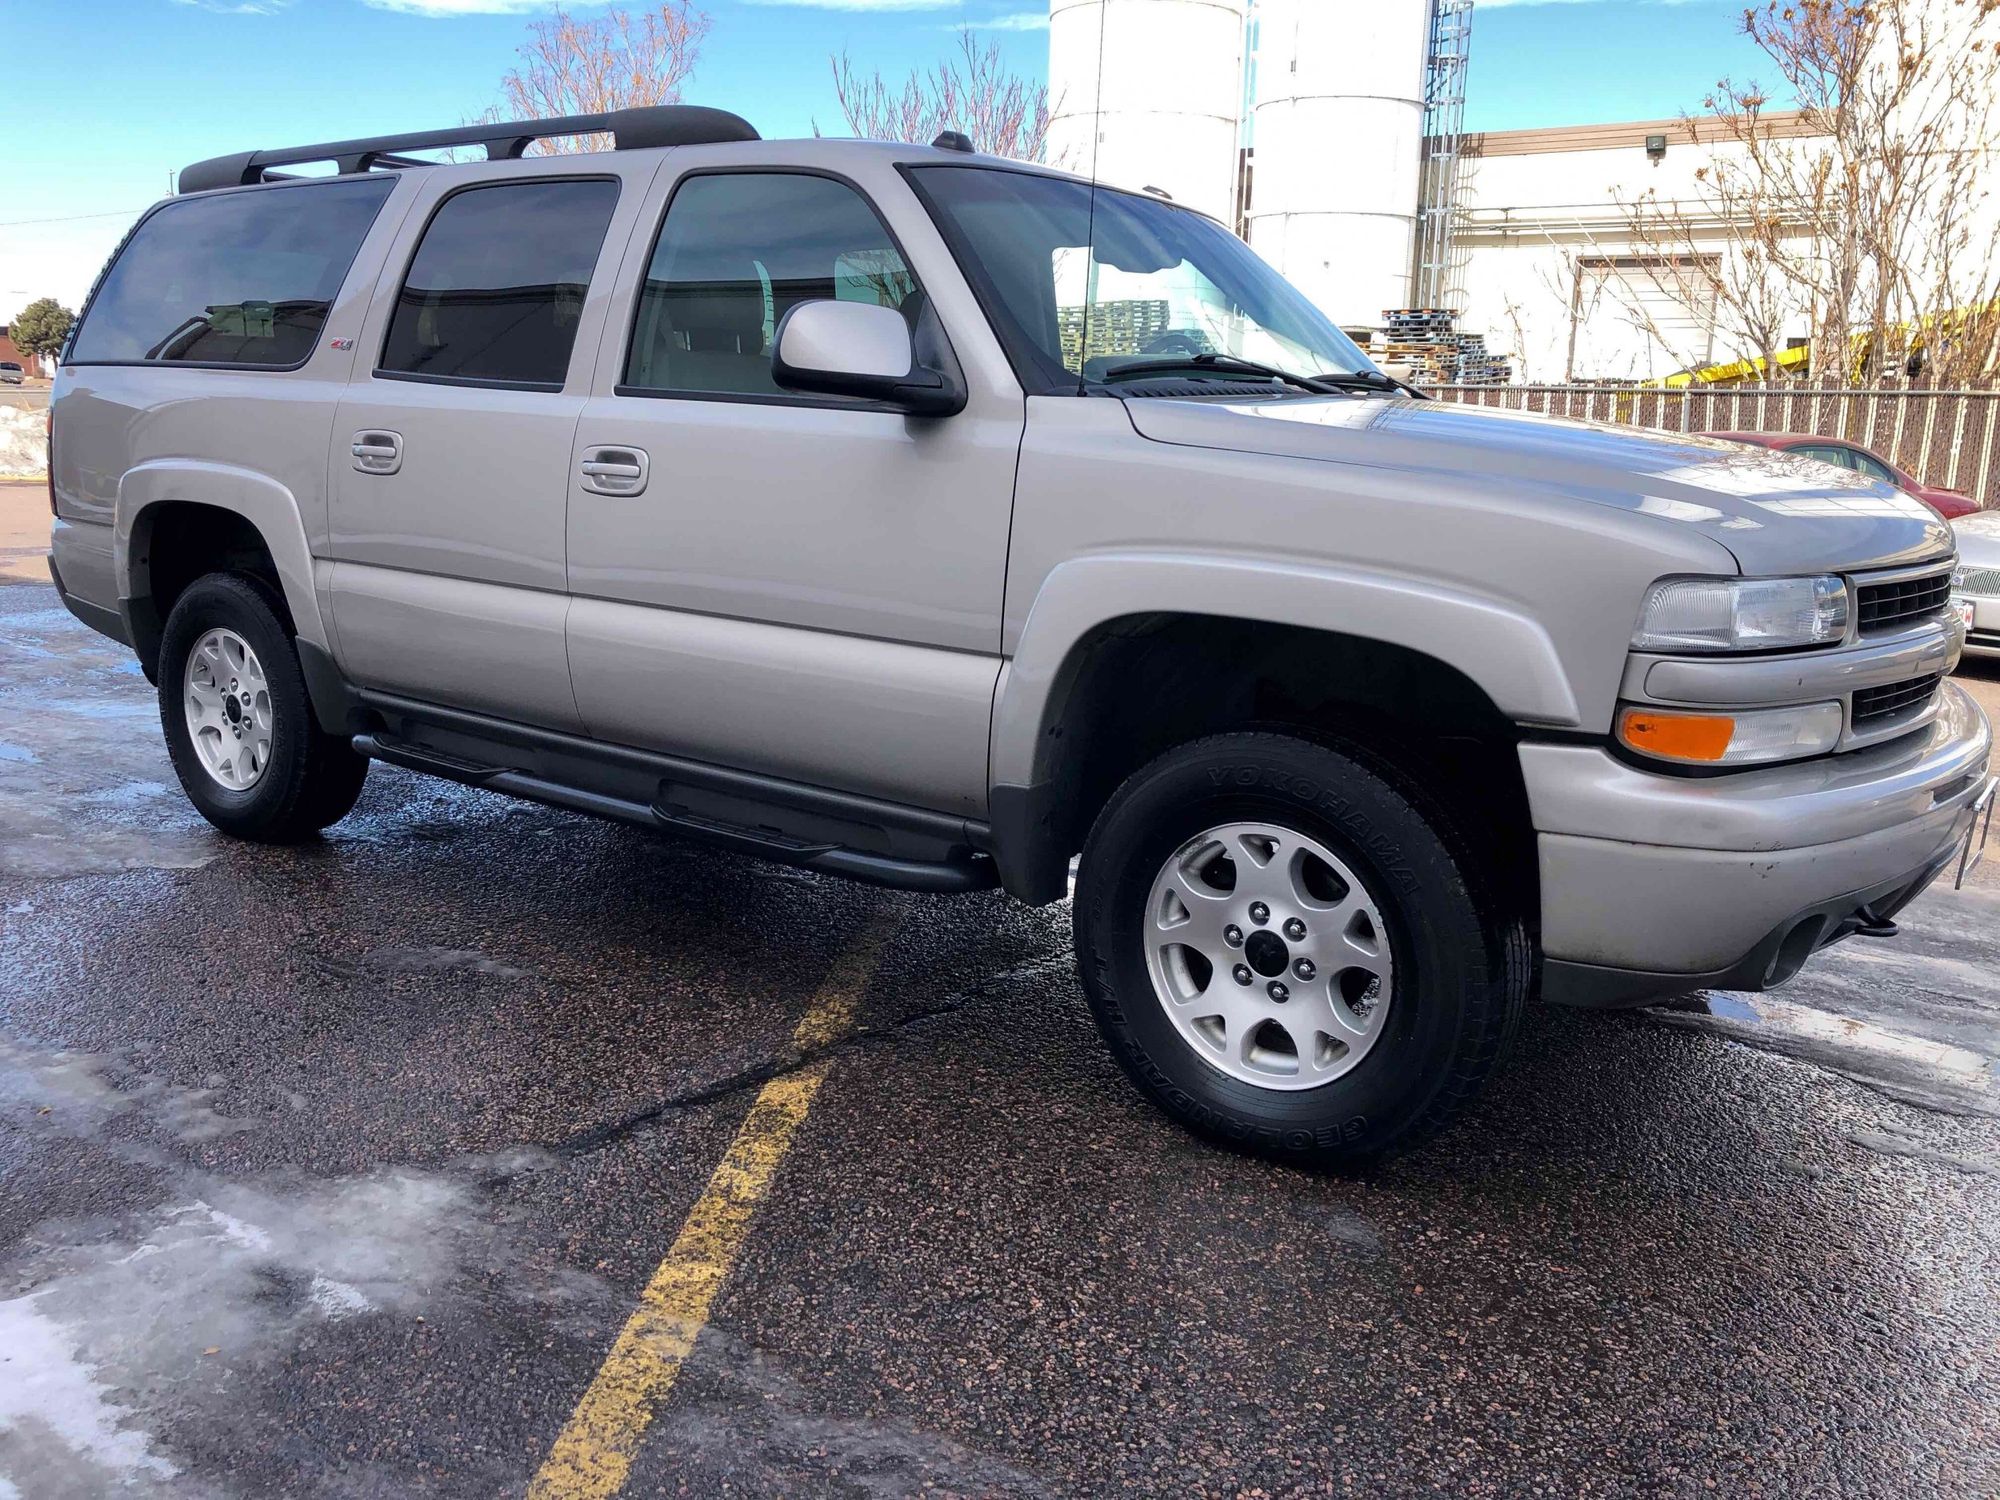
<point>10,373</point>
<point>1977,583</point>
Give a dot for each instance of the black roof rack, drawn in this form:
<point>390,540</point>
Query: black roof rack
<point>630,130</point>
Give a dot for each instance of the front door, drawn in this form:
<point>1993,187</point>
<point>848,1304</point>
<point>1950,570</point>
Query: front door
<point>451,458</point>
<point>806,587</point>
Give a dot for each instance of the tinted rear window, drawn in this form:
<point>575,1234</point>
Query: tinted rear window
<point>497,287</point>
<point>236,279</point>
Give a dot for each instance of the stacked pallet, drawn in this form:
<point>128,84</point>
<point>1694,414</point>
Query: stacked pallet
<point>1426,342</point>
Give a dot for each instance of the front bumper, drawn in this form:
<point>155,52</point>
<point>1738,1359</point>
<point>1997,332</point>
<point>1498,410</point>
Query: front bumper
<point>1654,884</point>
<point>1983,636</point>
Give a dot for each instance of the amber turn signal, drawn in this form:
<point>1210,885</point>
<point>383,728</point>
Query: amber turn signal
<point>1692,737</point>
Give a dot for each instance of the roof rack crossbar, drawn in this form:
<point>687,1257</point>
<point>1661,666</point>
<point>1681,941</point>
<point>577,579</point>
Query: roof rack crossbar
<point>629,129</point>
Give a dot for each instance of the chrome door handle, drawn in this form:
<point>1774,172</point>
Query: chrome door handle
<point>377,452</point>
<point>614,471</point>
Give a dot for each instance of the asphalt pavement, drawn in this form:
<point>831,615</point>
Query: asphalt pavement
<point>337,1170</point>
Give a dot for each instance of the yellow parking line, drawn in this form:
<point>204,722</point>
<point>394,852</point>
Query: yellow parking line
<point>594,1452</point>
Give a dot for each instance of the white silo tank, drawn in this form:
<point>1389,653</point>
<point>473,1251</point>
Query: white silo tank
<point>1164,110</point>
<point>1337,144</point>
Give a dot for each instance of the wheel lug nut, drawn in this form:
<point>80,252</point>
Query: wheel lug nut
<point>1242,973</point>
<point>1279,990</point>
<point>1259,913</point>
<point>1295,929</point>
<point>1304,969</point>
<point>1233,935</point>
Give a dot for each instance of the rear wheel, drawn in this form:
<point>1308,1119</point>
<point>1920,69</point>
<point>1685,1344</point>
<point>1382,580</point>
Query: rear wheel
<point>1285,954</point>
<point>239,726</point>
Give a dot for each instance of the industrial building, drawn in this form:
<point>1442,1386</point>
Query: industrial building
<point>1302,123</point>
<point>1329,134</point>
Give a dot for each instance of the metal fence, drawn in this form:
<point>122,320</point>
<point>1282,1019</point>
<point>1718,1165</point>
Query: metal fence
<point>1945,438</point>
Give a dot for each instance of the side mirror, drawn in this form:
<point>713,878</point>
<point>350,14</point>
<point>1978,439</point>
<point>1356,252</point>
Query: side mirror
<point>860,349</point>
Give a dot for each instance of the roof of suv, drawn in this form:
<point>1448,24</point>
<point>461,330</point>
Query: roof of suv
<point>653,128</point>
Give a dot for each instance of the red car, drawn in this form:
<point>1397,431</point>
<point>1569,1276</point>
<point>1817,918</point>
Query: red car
<point>1845,455</point>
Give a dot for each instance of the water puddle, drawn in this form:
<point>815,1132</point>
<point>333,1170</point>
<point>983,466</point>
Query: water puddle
<point>1923,1071</point>
<point>1892,1142</point>
<point>47,855</point>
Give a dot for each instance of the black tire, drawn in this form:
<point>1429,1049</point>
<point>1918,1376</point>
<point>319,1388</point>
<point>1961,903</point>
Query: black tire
<point>1461,971</point>
<point>313,779</point>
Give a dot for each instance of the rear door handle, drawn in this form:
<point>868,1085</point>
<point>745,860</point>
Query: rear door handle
<point>378,452</point>
<point>614,471</point>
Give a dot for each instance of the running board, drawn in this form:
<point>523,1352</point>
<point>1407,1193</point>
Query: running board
<point>970,872</point>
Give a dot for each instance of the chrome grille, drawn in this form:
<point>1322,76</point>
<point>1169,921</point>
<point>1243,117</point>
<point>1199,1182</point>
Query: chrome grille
<point>1875,706</point>
<point>1890,606</point>
<point>1984,582</point>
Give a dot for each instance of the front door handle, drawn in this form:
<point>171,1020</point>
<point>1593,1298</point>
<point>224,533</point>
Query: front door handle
<point>378,452</point>
<point>614,471</point>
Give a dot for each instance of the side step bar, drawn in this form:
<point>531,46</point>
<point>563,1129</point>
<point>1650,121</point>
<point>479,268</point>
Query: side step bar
<point>972,873</point>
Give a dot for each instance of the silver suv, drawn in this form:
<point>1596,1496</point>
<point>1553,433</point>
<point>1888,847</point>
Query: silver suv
<point>928,518</point>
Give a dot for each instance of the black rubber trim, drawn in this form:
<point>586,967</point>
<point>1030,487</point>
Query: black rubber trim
<point>1767,966</point>
<point>1034,865</point>
<point>143,629</point>
<point>333,701</point>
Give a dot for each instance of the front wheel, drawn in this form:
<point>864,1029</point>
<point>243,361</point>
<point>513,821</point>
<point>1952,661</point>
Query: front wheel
<point>1284,953</point>
<point>239,726</point>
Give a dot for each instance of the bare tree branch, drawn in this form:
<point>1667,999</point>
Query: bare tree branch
<point>1002,112</point>
<point>1871,223</point>
<point>616,59</point>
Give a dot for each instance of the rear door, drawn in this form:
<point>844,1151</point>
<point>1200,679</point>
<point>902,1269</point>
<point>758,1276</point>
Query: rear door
<point>451,453</point>
<point>808,587</point>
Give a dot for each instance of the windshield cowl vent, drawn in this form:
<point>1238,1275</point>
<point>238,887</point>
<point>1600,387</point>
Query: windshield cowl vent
<point>1176,389</point>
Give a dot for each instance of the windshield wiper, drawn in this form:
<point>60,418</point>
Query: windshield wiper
<point>1227,364</point>
<point>1372,380</point>
<point>1322,385</point>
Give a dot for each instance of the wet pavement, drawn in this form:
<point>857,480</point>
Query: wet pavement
<point>336,1170</point>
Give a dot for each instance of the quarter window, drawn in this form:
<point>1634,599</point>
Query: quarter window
<point>735,254</point>
<point>496,289</point>
<point>242,279</point>
<point>1826,453</point>
<point>1874,468</point>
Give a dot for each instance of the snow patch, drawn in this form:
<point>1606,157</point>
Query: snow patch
<point>50,1396</point>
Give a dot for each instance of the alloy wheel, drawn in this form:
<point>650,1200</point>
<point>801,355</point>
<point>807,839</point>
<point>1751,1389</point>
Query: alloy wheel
<point>227,700</point>
<point>1269,955</point>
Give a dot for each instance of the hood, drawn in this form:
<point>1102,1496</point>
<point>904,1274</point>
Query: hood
<point>1775,512</point>
<point>1979,539</point>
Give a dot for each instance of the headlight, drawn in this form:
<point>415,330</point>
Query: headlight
<point>1731,739</point>
<point>1741,614</point>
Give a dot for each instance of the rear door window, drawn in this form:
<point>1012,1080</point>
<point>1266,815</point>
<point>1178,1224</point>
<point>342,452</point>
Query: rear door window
<point>1826,453</point>
<point>497,286</point>
<point>237,279</point>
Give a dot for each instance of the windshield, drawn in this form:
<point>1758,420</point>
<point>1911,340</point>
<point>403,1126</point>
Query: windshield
<point>1076,294</point>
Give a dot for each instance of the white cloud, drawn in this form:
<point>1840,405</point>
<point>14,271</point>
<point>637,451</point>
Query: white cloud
<point>1023,20</point>
<point>862,4</point>
<point>467,7</point>
<point>237,7</point>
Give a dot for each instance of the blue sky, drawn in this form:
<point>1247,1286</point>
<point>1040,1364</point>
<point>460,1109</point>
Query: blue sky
<point>126,91</point>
